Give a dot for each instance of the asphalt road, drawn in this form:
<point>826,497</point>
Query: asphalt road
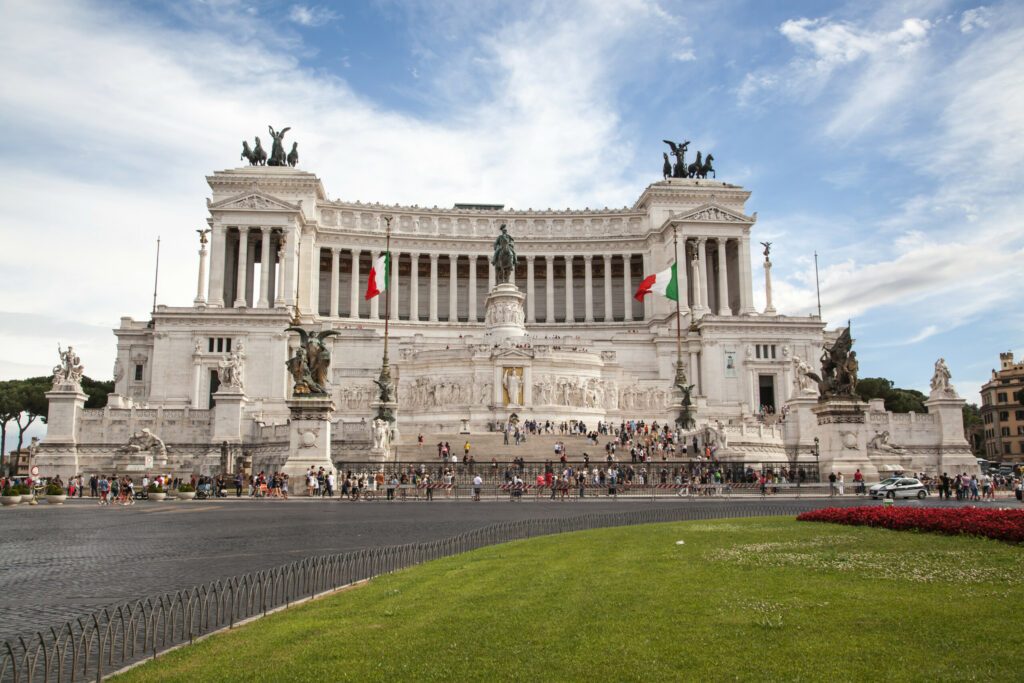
<point>63,562</point>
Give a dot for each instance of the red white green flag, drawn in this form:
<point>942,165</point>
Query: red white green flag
<point>380,273</point>
<point>665,283</point>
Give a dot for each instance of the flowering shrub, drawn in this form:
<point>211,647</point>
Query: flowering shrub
<point>1003,525</point>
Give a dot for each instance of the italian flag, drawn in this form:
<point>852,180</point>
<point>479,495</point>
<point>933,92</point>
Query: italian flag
<point>379,272</point>
<point>665,283</point>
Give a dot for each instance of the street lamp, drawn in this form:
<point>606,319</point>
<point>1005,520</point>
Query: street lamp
<point>816,452</point>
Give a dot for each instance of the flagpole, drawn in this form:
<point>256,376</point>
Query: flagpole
<point>680,378</point>
<point>387,285</point>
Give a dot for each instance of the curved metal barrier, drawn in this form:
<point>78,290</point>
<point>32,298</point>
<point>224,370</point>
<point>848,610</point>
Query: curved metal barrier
<point>90,647</point>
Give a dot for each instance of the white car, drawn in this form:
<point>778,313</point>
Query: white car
<point>899,487</point>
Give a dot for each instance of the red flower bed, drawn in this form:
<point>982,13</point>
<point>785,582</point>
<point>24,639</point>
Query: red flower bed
<point>1003,525</point>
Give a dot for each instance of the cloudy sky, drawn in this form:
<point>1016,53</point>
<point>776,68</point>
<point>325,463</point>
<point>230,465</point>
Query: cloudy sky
<point>889,137</point>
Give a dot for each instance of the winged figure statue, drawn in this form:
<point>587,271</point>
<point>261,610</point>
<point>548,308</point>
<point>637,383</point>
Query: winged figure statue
<point>308,367</point>
<point>679,152</point>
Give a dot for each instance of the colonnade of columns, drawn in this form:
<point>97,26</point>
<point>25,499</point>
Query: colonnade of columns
<point>454,290</point>
<point>232,278</point>
<point>567,288</point>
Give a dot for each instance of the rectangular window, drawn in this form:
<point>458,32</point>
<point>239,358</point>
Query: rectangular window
<point>220,344</point>
<point>227,345</point>
<point>210,347</point>
<point>138,372</point>
<point>773,351</point>
<point>1019,414</point>
<point>1004,431</point>
<point>1004,415</point>
<point>1006,448</point>
<point>1001,397</point>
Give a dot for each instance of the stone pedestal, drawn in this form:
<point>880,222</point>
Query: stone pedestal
<point>955,456</point>
<point>506,314</point>
<point>227,415</point>
<point>309,439</point>
<point>843,437</point>
<point>59,454</point>
<point>801,424</point>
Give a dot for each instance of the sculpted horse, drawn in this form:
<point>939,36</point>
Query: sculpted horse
<point>247,153</point>
<point>259,155</point>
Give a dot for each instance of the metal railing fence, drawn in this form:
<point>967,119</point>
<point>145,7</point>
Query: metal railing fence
<point>93,646</point>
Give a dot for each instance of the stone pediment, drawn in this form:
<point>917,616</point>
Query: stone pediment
<point>712,213</point>
<point>512,353</point>
<point>252,201</point>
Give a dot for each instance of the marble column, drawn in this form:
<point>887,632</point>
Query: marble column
<point>570,315</point>
<point>453,288</point>
<point>531,309</point>
<point>472,288</point>
<point>695,274</point>
<point>414,287</point>
<point>702,260</point>
<point>746,283</point>
<point>279,266</point>
<point>243,252</point>
<point>375,301</point>
<point>492,276</point>
<point>393,285</point>
<point>433,287</point>
<point>694,375</point>
<point>335,268</point>
<point>627,288</point>
<point>723,280</point>
<point>608,315</point>
<point>251,295</point>
<point>682,273</point>
<point>353,302</point>
<point>266,268</point>
<point>588,288</point>
<point>218,254</point>
<point>549,289</point>
<point>314,272</point>
<point>200,298</point>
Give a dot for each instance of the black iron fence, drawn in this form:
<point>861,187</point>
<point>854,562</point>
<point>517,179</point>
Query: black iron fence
<point>93,646</point>
<point>651,472</point>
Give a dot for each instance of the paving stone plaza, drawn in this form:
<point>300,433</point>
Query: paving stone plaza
<point>65,562</point>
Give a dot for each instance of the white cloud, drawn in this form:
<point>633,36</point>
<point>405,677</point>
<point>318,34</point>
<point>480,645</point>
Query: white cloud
<point>128,116</point>
<point>686,55</point>
<point>979,17</point>
<point>305,15</point>
<point>824,47</point>
<point>835,43</point>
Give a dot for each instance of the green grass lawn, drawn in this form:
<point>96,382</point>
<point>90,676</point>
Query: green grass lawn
<point>748,599</point>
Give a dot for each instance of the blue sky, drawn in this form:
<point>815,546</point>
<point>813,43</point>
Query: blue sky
<point>889,137</point>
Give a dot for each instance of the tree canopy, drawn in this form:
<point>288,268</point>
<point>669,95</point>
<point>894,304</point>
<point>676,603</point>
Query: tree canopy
<point>23,401</point>
<point>897,400</point>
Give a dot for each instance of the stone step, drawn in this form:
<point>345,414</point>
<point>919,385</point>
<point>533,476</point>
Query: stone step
<point>487,445</point>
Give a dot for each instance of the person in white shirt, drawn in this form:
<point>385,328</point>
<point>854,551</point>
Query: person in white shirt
<point>478,483</point>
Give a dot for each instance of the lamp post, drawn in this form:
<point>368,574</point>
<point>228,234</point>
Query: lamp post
<point>816,452</point>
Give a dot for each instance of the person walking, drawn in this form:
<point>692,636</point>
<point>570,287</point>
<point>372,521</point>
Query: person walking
<point>832,485</point>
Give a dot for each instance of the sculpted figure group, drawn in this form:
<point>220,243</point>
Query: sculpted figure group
<point>308,367</point>
<point>839,368</point>
<point>698,169</point>
<point>230,368</point>
<point>70,369</point>
<point>144,441</point>
<point>941,386</point>
<point>257,156</point>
